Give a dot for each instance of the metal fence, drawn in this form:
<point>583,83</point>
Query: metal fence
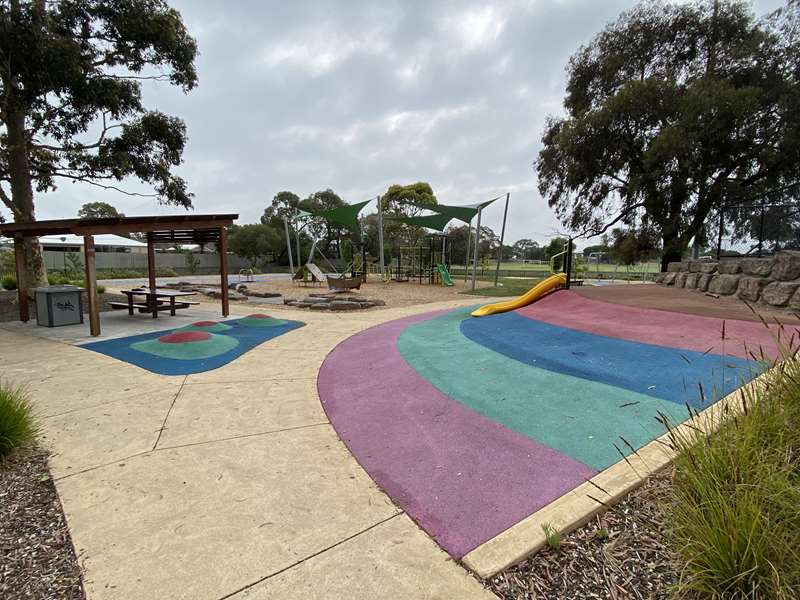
<point>755,229</point>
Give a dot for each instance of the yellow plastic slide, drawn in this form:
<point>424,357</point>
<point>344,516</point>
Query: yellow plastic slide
<point>532,295</point>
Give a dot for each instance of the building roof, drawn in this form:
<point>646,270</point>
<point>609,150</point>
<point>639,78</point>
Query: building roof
<point>103,239</point>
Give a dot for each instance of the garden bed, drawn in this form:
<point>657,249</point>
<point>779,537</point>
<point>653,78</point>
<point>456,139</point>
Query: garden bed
<point>620,554</point>
<point>37,559</point>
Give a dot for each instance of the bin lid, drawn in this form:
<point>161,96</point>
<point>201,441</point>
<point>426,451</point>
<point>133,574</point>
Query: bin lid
<point>57,289</point>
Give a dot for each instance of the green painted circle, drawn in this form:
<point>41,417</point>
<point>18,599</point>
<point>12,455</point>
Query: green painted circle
<point>214,346</point>
<point>268,322</point>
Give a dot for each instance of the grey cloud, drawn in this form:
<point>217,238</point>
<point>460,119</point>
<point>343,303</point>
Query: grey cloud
<point>355,96</point>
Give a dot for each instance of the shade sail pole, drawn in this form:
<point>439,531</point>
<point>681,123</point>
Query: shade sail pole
<point>288,245</point>
<point>466,256</point>
<point>297,238</point>
<point>502,238</point>
<point>380,236</point>
<point>477,244</point>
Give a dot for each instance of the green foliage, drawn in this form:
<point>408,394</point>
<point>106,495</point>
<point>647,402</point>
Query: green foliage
<point>283,206</point>
<point>406,201</point>
<point>552,536</point>
<point>631,246</point>
<point>98,210</point>
<point>192,262</point>
<point>18,425</point>
<point>667,112</point>
<point>734,515</point>
<point>7,262</point>
<point>526,249</point>
<point>8,282</point>
<point>255,242</point>
<point>77,68</point>
<point>73,264</point>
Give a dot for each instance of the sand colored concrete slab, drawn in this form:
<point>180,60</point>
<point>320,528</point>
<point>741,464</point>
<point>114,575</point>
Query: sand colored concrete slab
<point>68,390</point>
<point>394,560</point>
<point>205,412</point>
<point>202,521</point>
<point>102,434</point>
<point>265,364</point>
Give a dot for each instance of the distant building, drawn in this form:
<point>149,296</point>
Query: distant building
<point>106,242</point>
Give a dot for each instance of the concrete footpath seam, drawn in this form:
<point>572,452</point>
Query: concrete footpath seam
<point>310,556</point>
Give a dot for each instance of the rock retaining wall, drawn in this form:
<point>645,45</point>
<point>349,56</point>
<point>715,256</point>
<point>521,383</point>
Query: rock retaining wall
<point>773,282</point>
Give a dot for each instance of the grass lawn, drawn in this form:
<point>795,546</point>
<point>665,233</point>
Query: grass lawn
<point>509,287</point>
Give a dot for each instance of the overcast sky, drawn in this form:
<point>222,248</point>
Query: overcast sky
<point>352,96</point>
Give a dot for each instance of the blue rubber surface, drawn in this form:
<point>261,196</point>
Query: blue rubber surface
<point>248,337</point>
<point>658,371</point>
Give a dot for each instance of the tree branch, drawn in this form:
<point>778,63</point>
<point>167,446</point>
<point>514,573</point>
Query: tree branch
<point>589,233</point>
<point>105,187</point>
<point>8,203</point>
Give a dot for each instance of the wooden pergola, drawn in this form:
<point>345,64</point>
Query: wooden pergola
<point>195,229</point>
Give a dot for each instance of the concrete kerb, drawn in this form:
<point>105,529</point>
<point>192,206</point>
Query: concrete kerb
<point>599,493</point>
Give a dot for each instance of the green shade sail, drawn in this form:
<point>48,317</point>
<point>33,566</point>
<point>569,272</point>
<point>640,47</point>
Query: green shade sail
<point>437,222</point>
<point>344,215</point>
<point>464,214</point>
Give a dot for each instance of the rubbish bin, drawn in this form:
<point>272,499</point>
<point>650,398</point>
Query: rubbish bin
<point>59,305</point>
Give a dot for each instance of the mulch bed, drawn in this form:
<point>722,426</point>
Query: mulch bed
<point>621,554</point>
<point>36,555</point>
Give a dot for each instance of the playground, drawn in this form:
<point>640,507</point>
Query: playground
<point>476,423</point>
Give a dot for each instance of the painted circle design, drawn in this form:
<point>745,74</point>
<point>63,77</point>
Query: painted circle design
<point>185,337</point>
<point>260,320</point>
<point>207,326</point>
<point>187,345</point>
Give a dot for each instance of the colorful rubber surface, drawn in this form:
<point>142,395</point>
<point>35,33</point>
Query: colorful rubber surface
<point>195,348</point>
<point>472,424</point>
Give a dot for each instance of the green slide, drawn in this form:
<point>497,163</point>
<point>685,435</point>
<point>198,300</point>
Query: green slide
<point>445,275</point>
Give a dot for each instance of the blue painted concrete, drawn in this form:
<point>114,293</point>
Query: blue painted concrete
<point>658,371</point>
<point>248,337</point>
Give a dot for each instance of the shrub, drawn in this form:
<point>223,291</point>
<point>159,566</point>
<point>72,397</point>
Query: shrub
<point>735,521</point>
<point>8,263</point>
<point>9,282</point>
<point>17,422</point>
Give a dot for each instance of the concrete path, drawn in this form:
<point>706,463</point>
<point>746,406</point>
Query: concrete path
<point>224,484</point>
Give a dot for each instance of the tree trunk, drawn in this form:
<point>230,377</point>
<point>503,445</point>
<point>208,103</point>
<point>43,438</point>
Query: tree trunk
<point>22,195</point>
<point>673,250</point>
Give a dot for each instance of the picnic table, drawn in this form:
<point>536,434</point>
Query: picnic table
<point>154,301</point>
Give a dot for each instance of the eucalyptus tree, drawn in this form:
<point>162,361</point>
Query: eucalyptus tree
<point>673,111</point>
<point>71,105</point>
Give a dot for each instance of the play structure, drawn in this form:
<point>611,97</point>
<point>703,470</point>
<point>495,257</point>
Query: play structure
<point>427,262</point>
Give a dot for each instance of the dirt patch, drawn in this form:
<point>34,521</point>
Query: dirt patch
<point>36,555</point>
<point>620,555</point>
<point>394,294</point>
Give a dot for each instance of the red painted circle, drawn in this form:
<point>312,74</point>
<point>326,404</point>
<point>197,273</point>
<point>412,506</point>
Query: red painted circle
<point>184,337</point>
<point>259,316</point>
<point>204,324</point>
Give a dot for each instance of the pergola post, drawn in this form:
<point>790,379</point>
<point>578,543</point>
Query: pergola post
<point>91,285</point>
<point>223,270</point>
<point>151,262</point>
<point>22,283</point>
